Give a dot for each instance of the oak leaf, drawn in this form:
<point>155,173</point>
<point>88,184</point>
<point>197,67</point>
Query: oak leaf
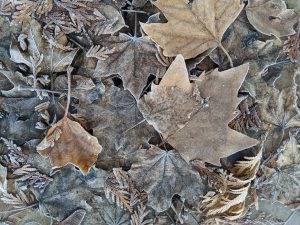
<point>194,118</point>
<point>271,17</point>
<point>133,59</point>
<point>205,22</point>
<point>68,143</point>
<point>163,174</point>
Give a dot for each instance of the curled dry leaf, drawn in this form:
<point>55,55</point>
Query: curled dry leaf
<point>68,143</point>
<point>194,118</point>
<point>205,22</point>
<point>271,17</point>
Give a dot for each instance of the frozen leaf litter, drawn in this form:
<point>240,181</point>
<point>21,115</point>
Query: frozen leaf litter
<point>149,112</point>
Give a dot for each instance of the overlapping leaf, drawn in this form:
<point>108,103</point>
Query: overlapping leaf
<point>204,21</point>
<point>133,59</point>
<point>194,118</point>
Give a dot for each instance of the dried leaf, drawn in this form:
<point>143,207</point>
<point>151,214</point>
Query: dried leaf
<point>118,124</point>
<point>163,174</point>
<point>3,181</point>
<point>67,142</point>
<point>133,59</point>
<point>32,177</point>
<point>290,154</point>
<point>194,118</point>
<point>75,218</point>
<point>282,185</point>
<point>231,204</point>
<point>271,17</point>
<point>205,22</point>
<point>50,59</point>
<point>294,4</point>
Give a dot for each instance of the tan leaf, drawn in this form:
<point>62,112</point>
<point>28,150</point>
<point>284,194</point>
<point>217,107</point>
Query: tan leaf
<point>204,21</point>
<point>291,153</point>
<point>74,145</point>
<point>194,118</point>
<point>271,17</point>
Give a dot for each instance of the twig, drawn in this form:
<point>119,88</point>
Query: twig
<point>133,11</point>
<point>39,89</point>
<point>19,210</point>
<point>227,54</point>
<point>69,71</point>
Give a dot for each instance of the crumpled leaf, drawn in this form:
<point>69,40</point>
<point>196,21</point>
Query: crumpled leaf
<point>271,17</point>
<point>163,174</point>
<point>117,123</point>
<point>133,59</point>
<point>68,143</point>
<point>194,118</point>
<point>290,154</point>
<point>51,59</point>
<point>204,21</point>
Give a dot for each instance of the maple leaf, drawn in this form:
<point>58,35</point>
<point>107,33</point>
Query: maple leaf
<point>70,190</point>
<point>133,59</point>
<point>163,174</point>
<point>50,59</point>
<point>271,17</point>
<point>67,142</point>
<point>205,22</point>
<point>194,118</point>
<point>282,185</point>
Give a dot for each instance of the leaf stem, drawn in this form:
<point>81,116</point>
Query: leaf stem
<point>227,54</point>
<point>19,210</point>
<point>69,71</point>
<point>133,11</point>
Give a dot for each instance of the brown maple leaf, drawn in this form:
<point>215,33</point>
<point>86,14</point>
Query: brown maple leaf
<point>271,17</point>
<point>133,59</point>
<point>194,118</point>
<point>67,142</point>
<point>192,27</point>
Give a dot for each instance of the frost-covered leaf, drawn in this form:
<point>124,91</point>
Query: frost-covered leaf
<point>50,58</point>
<point>117,123</point>
<point>194,118</point>
<point>290,153</point>
<point>163,174</point>
<point>205,22</point>
<point>133,59</point>
<point>282,185</point>
<point>271,17</point>
<point>70,190</point>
